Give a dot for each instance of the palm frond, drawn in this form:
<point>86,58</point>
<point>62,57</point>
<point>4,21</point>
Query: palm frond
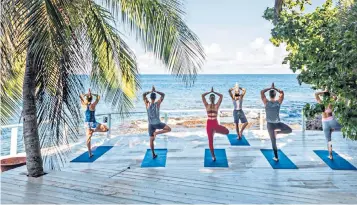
<point>11,63</point>
<point>50,39</point>
<point>114,70</point>
<point>159,26</point>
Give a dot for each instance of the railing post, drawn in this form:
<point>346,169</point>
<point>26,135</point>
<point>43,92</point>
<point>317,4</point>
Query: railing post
<point>261,122</point>
<point>109,125</point>
<point>219,116</point>
<point>13,148</point>
<point>166,118</point>
<point>303,126</point>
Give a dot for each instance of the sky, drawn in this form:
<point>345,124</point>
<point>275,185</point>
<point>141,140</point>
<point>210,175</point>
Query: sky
<point>234,35</point>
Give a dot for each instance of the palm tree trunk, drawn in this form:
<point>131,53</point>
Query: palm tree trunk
<point>30,130</point>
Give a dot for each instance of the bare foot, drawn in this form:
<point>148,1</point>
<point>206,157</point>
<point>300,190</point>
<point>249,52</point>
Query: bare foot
<point>275,159</point>
<point>154,156</point>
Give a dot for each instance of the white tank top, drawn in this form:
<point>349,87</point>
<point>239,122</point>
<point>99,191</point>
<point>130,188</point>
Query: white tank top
<point>238,104</point>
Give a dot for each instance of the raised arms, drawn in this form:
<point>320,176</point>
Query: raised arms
<point>243,91</point>
<point>281,92</point>
<point>146,101</point>
<point>220,97</point>
<point>162,95</point>
<point>81,96</point>
<point>317,96</point>
<point>230,92</point>
<point>204,98</point>
<point>262,95</point>
<point>97,98</point>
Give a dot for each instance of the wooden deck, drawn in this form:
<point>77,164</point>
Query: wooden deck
<point>249,178</point>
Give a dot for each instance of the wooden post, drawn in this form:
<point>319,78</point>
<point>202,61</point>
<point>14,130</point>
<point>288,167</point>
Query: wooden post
<point>13,148</point>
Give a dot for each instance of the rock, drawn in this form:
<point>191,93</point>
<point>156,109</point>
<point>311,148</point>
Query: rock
<point>314,124</point>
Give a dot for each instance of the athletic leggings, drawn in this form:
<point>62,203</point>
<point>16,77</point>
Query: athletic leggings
<point>211,128</point>
<point>284,129</point>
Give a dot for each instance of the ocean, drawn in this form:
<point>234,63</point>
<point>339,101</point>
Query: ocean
<point>180,97</point>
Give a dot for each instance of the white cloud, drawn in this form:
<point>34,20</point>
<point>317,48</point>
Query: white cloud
<point>214,48</point>
<point>257,56</point>
<point>257,43</point>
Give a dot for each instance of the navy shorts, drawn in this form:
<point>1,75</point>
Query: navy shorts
<point>91,125</point>
<point>239,115</point>
<point>153,128</point>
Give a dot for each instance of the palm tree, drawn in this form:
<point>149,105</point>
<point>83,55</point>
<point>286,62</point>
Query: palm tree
<point>51,42</point>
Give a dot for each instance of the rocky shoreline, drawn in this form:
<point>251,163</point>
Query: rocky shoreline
<point>140,126</point>
<point>314,124</point>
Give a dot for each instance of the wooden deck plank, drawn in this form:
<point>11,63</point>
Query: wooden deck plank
<point>249,178</point>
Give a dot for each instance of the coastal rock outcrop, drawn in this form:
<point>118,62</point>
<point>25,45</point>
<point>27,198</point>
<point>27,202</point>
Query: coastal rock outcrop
<point>314,123</point>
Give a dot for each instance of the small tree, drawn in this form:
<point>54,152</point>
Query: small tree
<point>322,48</point>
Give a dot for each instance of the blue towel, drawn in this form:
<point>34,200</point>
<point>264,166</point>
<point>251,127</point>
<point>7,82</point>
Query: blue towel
<point>283,163</point>
<point>338,163</point>
<point>159,161</point>
<point>235,142</point>
<point>96,151</point>
<point>221,158</point>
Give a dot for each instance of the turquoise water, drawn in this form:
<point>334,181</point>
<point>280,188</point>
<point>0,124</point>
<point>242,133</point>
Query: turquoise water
<point>179,97</point>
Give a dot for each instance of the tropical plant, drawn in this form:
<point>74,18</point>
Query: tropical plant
<point>322,48</point>
<point>52,42</point>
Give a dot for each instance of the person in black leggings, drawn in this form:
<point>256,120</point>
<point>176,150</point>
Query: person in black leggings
<point>272,109</point>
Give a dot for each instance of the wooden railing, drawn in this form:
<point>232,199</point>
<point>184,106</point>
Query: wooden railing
<point>14,127</point>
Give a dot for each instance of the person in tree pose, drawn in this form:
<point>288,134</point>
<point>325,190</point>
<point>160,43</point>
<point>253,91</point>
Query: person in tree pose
<point>91,124</point>
<point>212,123</point>
<point>153,111</point>
<point>329,124</point>
<point>238,113</point>
<point>272,109</point>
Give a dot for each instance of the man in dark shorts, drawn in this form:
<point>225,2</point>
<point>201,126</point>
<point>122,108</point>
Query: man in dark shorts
<point>153,110</point>
<point>272,110</point>
<point>238,113</point>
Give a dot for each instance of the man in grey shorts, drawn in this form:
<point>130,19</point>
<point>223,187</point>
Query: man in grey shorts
<point>272,109</point>
<point>238,113</point>
<point>153,110</point>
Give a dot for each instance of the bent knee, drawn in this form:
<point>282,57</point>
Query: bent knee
<point>168,128</point>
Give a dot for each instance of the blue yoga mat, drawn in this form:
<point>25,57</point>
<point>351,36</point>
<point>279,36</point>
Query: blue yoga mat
<point>338,162</point>
<point>235,142</point>
<point>221,158</point>
<point>96,151</point>
<point>159,161</point>
<point>283,163</point>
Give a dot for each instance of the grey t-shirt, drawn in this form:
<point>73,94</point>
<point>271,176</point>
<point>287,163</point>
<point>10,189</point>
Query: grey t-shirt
<point>154,114</point>
<point>272,110</point>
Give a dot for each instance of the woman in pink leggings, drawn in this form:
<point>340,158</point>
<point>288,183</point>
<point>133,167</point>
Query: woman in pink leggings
<point>212,123</point>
